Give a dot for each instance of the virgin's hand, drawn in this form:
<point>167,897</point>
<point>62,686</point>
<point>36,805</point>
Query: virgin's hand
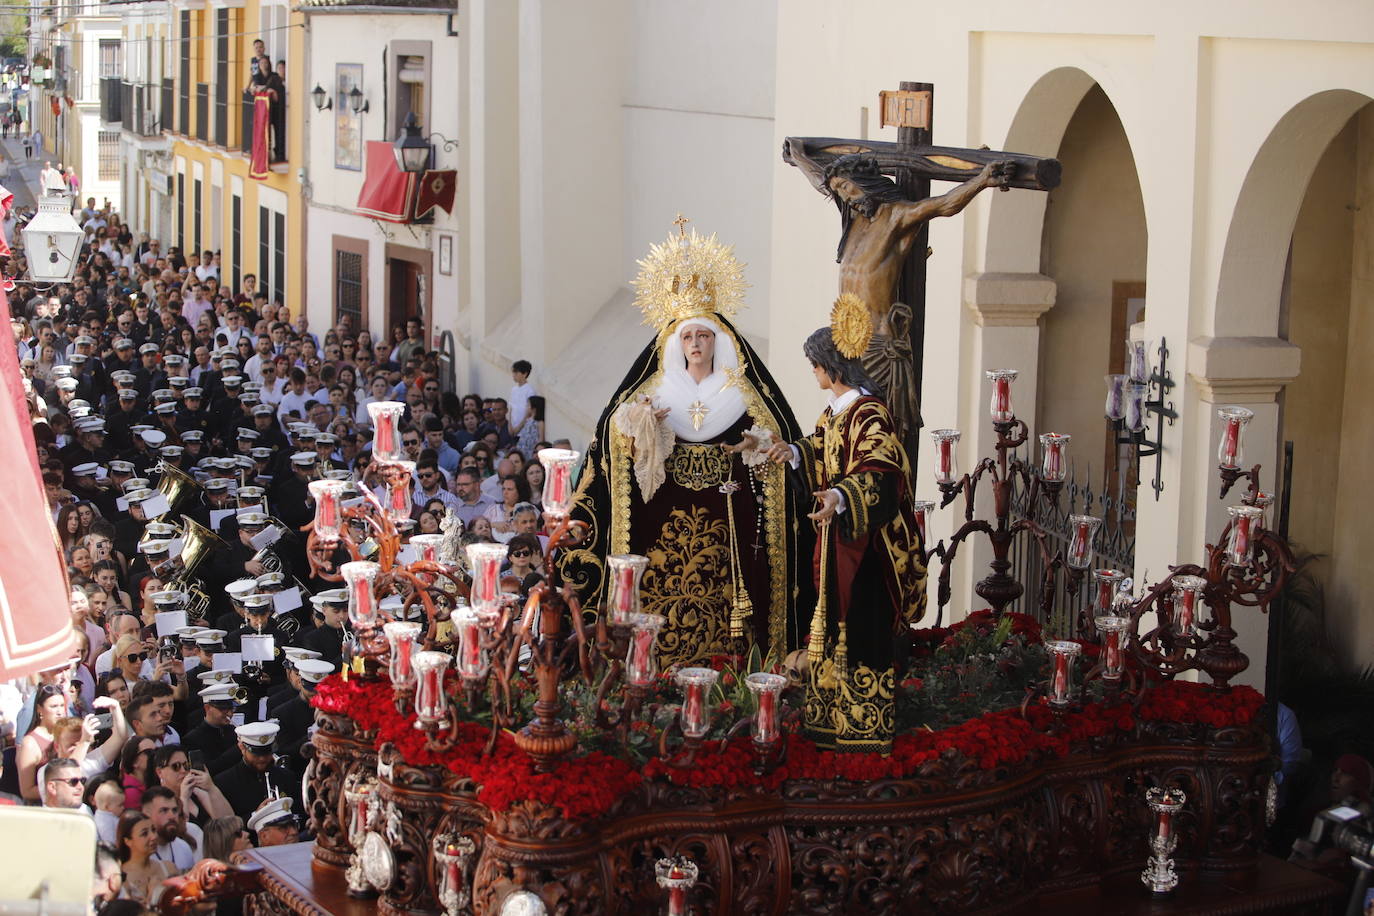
<point>749,443</point>
<point>661,413</point>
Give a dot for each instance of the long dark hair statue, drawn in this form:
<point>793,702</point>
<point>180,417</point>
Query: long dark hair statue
<point>820,349</point>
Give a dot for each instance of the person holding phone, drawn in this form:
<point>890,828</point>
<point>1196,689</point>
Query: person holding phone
<point>74,738</point>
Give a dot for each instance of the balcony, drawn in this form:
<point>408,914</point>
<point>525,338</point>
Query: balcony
<point>142,108</point>
<point>277,145</point>
<point>111,99</point>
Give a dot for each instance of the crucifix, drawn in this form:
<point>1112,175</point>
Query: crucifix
<point>884,227</point>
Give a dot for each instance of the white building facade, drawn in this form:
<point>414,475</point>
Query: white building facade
<point>400,59</point>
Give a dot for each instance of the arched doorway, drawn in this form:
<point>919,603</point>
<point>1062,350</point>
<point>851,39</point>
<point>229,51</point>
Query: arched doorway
<point>1094,248</point>
<point>1325,306</point>
<point>1086,242</point>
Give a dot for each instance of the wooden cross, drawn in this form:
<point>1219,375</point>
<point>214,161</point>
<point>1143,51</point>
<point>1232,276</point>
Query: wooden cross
<point>913,163</point>
<point>681,223</point>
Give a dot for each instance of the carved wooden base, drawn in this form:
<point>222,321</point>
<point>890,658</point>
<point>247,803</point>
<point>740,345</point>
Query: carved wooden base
<point>953,839</point>
<point>294,888</point>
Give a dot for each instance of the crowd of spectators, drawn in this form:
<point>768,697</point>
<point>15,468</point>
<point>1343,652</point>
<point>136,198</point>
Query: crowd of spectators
<point>150,369</point>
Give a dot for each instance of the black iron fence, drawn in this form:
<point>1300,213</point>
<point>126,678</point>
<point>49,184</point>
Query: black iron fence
<point>1113,547</point>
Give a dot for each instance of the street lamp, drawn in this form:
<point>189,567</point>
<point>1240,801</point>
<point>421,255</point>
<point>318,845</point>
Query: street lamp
<point>322,100</point>
<point>52,240</point>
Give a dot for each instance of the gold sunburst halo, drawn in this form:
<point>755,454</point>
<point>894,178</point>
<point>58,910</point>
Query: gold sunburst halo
<point>850,326</point>
<point>689,275</point>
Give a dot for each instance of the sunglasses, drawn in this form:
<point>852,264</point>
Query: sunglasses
<point>74,781</point>
<point>179,766</point>
<point>410,441</point>
<point>520,553</point>
<point>136,656</point>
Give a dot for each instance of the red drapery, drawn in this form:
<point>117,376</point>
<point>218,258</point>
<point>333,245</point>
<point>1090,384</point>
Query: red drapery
<point>387,191</point>
<point>35,617</point>
<point>260,166</point>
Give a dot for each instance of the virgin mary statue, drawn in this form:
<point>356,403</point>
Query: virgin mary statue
<point>720,529</point>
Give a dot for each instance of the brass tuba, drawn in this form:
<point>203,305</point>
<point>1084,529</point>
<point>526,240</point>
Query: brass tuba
<point>178,487</point>
<point>197,544</point>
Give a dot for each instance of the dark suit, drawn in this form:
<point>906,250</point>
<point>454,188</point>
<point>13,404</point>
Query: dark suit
<point>245,789</point>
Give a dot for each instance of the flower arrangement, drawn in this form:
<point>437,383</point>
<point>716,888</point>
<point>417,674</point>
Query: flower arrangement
<point>962,701</point>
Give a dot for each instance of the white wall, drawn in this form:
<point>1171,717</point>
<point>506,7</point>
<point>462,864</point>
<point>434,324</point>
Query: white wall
<point>335,38</point>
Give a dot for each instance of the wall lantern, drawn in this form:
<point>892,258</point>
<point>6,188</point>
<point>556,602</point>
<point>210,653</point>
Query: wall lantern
<point>52,240</point>
<point>322,100</point>
<point>412,150</point>
<point>356,101</point>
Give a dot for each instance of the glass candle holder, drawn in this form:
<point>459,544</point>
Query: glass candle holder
<point>767,690</point>
<point>359,577</point>
<point>641,662</point>
<point>1054,451</point>
<point>358,796</point>
<point>427,546</point>
<point>386,430</point>
<point>1062,655</point>
<point>1138,361</point>
<point>1231,449</point>
<point>1263,500</point>
<point>1113,632</point>
<point>451,854</point>
<point>676,875</point>
<point>1115,408</point>
<point>559,464</point>
<point>484,560</point>
<point>1080,550</point>
<point>1165,803</point>
<point>328,512</point>
<point>1245,523</point>
<point>1106,583</point>
<point>697,708</point>
<point>400,485</point>
<point>622,590</point>
<point>403,637</point>
<point>1187,595</point>
<point>922,508</point>
<point>1135,407</point>
<point>999,405</point>
<point>946,454</point>
<point>431,703</point>
<point>473,660</point>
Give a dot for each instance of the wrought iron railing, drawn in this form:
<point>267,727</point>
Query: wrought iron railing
<point>1114,546</point>
<point>142,108</point>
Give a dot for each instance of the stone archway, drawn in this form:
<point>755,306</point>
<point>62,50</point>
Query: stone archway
<point>1325,307</point>
<point>1251,277</point>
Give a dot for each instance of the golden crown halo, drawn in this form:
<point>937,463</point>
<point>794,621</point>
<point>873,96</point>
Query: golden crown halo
<point>850,326</point>
<point>688,275</point>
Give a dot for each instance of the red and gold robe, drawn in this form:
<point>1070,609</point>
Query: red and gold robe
<point>869,560</point>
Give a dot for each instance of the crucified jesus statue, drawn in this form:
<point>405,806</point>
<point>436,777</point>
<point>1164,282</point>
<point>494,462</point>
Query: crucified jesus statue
<point>878,228</point>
